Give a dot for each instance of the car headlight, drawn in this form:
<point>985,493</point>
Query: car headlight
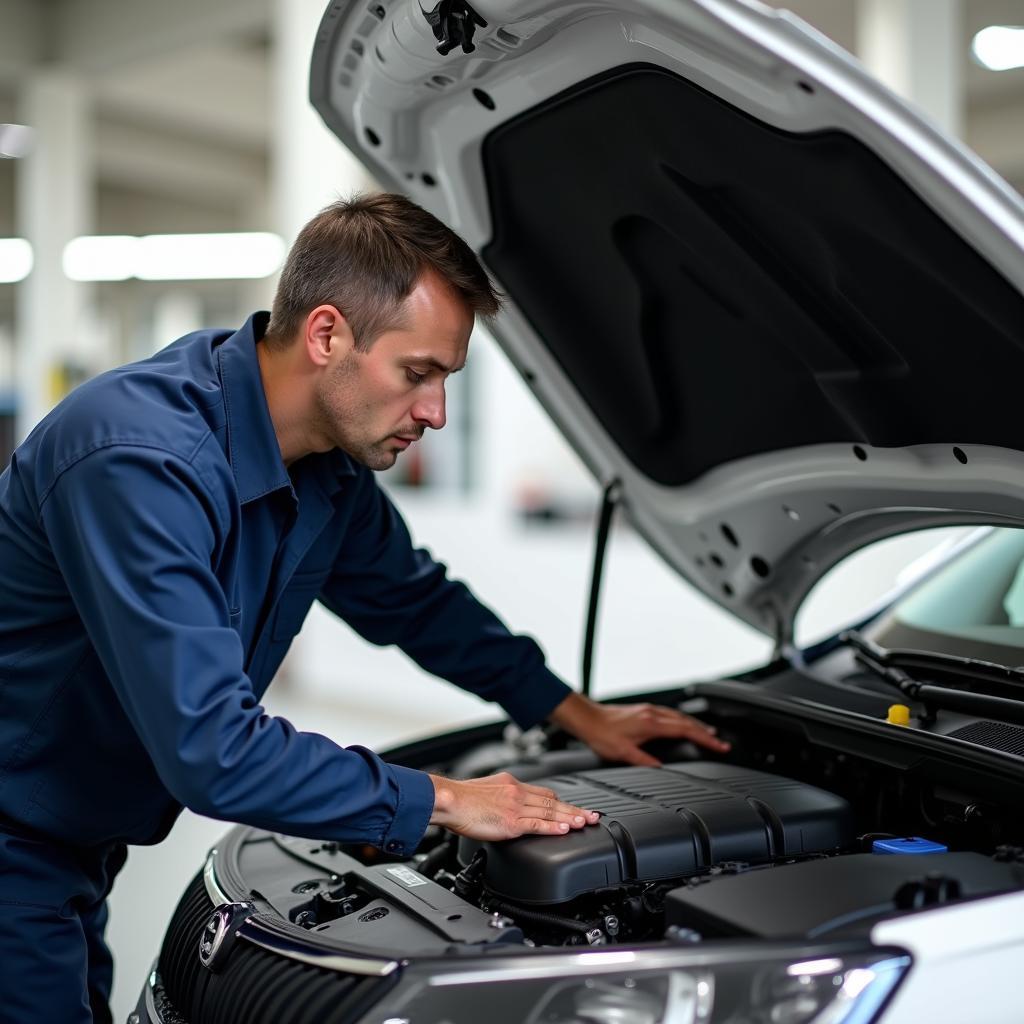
<point>709,984</point>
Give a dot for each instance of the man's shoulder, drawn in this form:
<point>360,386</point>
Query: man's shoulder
<point>170,402</point>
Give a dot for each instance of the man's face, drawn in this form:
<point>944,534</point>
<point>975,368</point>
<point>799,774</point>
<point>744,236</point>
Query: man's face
<point>374,404</point>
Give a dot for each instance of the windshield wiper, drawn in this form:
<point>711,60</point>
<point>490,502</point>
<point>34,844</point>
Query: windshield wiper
<point>969,668</point>
<point>933,697</point>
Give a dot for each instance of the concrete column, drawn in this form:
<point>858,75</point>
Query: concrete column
<point>309,166</point>
<point>916,48</point>
<point>54,193</point>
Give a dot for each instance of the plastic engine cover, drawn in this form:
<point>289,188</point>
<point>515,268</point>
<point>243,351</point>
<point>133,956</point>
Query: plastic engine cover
<point>659,823</point>
<point>834,896</point>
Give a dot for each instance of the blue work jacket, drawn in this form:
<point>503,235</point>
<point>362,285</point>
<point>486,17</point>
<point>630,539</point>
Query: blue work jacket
<point>157,560</point>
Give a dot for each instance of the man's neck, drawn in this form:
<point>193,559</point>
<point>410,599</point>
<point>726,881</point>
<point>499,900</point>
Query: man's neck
<point>289,400</point>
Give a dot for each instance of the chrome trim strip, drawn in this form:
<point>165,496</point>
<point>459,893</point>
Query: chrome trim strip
<point>213,889</point>
<point>253,932</point>
<point>155,1017</point>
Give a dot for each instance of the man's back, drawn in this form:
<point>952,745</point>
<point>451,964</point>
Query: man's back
<point>160,560</point>
<point>64,733</point>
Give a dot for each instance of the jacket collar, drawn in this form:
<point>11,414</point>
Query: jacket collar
<point>252,444</point>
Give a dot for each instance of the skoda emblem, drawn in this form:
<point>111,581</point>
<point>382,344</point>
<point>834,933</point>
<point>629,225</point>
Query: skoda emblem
<point>220,932</point>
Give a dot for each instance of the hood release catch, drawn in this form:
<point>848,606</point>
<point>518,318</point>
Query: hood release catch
<point>454,23</point>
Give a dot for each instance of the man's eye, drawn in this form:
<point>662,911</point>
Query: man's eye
<point>413,376</point>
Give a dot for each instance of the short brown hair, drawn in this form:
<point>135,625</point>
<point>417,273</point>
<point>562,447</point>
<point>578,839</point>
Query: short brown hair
<point>364,255</point>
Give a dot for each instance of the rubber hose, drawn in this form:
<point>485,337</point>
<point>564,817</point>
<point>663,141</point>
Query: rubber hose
<point>538,917</point>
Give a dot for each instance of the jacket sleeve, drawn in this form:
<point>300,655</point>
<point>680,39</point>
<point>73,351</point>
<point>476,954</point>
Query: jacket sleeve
<point>393,593</point>
<point>135,532</point>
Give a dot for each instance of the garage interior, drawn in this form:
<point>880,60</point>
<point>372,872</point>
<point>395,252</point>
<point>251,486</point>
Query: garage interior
<point>164,119</point>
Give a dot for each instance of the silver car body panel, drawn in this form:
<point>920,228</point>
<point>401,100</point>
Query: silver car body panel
<point>408,112</point>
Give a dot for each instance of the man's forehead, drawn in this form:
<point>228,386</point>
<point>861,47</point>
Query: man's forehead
<point>435,328</point>
<point>430,288</point>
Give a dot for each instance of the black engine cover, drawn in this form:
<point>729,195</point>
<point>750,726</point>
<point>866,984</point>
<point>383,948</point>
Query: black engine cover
<point>834,896</point>
<point>660,823</point>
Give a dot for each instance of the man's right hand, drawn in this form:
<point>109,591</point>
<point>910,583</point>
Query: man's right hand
<point>501,807</point>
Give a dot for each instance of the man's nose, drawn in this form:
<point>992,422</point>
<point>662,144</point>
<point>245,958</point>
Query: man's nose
<point>429,408</point>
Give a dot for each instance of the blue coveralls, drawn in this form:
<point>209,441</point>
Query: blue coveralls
<point>157,560</point>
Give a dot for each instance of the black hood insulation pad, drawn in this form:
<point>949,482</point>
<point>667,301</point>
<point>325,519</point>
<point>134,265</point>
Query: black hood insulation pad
<point>719,288</point>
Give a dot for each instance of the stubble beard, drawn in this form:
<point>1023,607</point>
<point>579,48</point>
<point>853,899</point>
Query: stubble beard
<point>340,410</point>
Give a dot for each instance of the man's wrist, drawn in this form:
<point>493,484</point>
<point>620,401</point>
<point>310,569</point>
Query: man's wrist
<point>573,712</point>
<point>444,799</point>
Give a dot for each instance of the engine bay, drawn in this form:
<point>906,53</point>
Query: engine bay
<point>697,849</point>
<point>658,828</point>
<point>806,834</point>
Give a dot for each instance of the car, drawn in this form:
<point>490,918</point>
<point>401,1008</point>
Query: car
<point>779,316</point>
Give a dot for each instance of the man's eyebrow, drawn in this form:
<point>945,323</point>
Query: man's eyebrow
<point>437,364</point>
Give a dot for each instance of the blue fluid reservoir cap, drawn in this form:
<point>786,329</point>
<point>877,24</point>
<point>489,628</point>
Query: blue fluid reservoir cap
<point>911,844</point>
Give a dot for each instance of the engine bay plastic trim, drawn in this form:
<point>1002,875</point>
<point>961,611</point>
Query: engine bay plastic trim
<point>813,711</point>
<point>252,931</point>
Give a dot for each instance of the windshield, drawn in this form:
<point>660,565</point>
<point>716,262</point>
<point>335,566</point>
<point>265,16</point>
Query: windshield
<point>973,607</point>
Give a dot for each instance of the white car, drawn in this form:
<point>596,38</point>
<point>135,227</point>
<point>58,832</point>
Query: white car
<point>779,316</point>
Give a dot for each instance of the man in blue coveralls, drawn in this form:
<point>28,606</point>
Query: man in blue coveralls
<point>163,533</point>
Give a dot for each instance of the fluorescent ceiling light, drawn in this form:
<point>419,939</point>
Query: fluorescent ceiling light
<point>226,257</point>
<point>249,254</point>
<point>15,141</point>
<point>15,260</point>
<point>999,47</point>
<point>101,257</point>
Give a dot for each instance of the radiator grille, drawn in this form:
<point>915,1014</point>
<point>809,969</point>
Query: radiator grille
<point>255,985</point>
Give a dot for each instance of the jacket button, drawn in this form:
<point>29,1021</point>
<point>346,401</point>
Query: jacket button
<point>393,846</point>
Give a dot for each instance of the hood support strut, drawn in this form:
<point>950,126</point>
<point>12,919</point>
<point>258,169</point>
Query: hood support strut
<point>610,497</point>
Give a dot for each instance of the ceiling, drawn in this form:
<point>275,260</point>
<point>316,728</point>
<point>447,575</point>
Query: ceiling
<point>183,98</point>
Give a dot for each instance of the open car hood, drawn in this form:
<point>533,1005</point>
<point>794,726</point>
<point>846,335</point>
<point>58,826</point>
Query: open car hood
<point>745,280</point>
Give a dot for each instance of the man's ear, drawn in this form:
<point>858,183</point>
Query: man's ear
<point>328,336</point>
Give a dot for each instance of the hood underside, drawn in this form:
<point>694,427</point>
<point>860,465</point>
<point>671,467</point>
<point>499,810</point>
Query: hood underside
<point>747,282</point>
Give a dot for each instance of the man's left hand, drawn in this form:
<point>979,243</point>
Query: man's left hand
<point>616,731</point>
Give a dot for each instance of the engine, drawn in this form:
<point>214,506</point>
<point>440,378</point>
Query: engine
<point>657,828</point>
<point>695,849</point>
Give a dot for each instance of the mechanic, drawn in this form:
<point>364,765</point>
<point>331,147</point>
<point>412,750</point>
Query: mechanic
<point>163,533</point>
